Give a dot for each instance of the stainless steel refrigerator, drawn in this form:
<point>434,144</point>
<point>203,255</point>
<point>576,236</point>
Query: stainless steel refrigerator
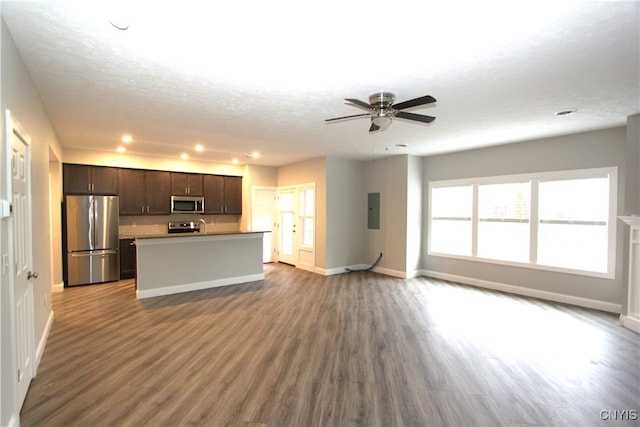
<point>92,239</point>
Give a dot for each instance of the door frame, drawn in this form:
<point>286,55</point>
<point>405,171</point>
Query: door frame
<point>303,256</point>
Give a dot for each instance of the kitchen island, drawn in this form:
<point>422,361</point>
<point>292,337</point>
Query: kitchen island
<point>175,263</point>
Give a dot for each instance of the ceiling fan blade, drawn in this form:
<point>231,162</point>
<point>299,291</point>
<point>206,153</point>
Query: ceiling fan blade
<point>360,104</point>
<point>428,99</point>
<point>413,116</point>
<point>346,117</point>
<point>374,127</point>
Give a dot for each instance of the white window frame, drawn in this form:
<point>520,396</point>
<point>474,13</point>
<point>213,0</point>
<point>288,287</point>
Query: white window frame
<point>302,216</point>
<point>536,178</point>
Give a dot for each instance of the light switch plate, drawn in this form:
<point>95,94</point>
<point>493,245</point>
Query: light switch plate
<point>5,209</point>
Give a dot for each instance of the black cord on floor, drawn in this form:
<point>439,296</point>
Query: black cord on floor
<point>369,268</point>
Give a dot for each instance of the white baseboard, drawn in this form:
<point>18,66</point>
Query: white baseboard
<point>188,287</point>
<point>57,287</point>
<point>42,342</point>
<point>356,267</point>
<point>13,422</point>
<point>519,290</point>
<point>390,272</point>
<point>630,322</point>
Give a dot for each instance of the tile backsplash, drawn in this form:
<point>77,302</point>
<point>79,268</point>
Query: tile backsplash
<point>132,226</point>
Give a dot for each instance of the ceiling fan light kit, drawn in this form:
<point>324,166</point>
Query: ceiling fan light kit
<point>381,110</point>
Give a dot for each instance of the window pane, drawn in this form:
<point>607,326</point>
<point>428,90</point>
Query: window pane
<point>573,229</point>
<point>451,202</point>
<point>504,201</point>
<point>503,221</point>
<point>286,201</point>
<point>582,247</point>
<point>451,237</point>
<point>286,233</point>
<point>576,200</point>
<point>451,210</point>
<point>307,231</point>
<point>507,241</point>
<point>307,202</point>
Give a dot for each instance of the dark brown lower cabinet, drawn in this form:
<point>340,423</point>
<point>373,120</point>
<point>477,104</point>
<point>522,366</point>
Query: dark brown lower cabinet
<point>127,259</point>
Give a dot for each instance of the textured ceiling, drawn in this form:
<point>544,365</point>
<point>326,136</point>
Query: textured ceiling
<point>244,76</point>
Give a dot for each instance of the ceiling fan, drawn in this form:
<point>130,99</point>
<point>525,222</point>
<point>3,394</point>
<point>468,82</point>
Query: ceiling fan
<point>382,110</point>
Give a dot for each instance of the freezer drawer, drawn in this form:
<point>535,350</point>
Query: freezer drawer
<point>93,267</point>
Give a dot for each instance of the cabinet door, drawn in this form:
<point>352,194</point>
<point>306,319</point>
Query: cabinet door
<point>186,184</point>
<point>195,184</point>
<point>213,194</point>
<point>131,191</point>
<point>158,192</point>
<point>233,195</point>
<point>104,180</point>
<point>75,179</point>
<point>127,259</point>
<point>179,186</point>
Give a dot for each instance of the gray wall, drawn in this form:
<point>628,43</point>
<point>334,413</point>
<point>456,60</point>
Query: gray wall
<point>389,177</point>
<point>632,168</point>
<point>346,212</point>
<point>578,151</point>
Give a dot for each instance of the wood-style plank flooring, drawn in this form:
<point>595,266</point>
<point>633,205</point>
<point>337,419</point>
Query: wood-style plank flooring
<point>300,349</point>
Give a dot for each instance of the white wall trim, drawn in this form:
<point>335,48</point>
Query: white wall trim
<point>630,322</point>
<point>58,287</point>
<point>13,422</point>
<point>169,290</point>
<point>519,290</point>
<point>390,272</point>
<point>42,342</point>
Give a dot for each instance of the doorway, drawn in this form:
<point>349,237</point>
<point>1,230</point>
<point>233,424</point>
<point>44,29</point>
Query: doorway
<point>296,226</point>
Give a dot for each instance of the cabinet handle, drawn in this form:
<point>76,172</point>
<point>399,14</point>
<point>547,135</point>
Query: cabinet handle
<point>142,207</point>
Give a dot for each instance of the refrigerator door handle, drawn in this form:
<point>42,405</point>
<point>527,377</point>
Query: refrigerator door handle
<point>93,253</point>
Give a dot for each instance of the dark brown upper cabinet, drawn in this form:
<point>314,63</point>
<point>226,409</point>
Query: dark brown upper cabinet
<point>186,184</point>
<point>85,179</point>
<point>223,195</point>
<point>144,192</point>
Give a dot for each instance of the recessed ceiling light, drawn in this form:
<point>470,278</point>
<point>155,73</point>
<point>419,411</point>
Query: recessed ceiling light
<point>121,149</point>
<point>199,148</point>
<point>566,112</point>
<point>235,161</point>
<point>127,139</point>
<point>255,155</point>
<point>184,156</point>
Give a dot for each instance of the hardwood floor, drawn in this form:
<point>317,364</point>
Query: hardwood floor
<point>301,349</point>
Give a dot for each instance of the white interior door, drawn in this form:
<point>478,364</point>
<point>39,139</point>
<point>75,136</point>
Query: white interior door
<point>287,221</point>
<point>22,258</point>
<point>263,218</point>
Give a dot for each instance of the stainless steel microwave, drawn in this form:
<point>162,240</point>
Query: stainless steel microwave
<point>187,204</point>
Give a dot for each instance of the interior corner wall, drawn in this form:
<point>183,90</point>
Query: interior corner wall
<point>632,167</point>
<point>388,176</point>
<point>20,96</point>
<point>311,171</point>
<point>603,148</point>
<point>261,176</point>
<point>346,213</point>
<point>415,185</point>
